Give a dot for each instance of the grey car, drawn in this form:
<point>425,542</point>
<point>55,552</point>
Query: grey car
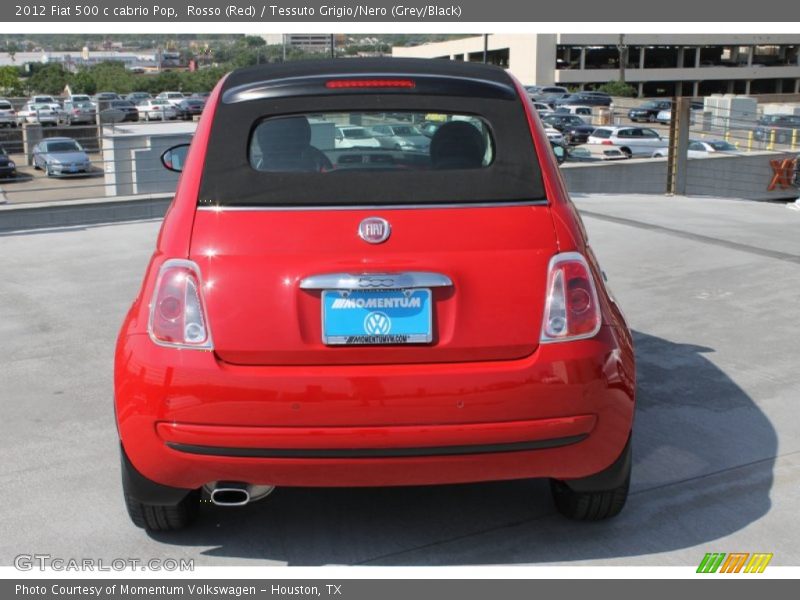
<point>61,156</point>
<point>401,136</point>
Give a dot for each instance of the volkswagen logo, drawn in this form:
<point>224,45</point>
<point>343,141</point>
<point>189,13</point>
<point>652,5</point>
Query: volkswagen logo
<point>377,323</point>
<point>374,230</point>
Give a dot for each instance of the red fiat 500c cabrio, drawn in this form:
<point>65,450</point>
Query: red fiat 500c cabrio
<point>338,298</point>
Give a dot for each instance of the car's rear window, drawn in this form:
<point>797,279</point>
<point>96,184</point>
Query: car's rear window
<point>356,140</point>
<point>601,133</point>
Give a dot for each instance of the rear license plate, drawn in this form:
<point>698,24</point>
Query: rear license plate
<point>360,317</point>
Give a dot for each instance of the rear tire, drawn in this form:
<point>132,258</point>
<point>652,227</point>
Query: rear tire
<point>627,152</point>
<point>158,517</point>
<point>164,508</point>
<point>594,505</point>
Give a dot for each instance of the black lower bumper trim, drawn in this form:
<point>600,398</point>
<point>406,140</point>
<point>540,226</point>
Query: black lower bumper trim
<point>374,452</point>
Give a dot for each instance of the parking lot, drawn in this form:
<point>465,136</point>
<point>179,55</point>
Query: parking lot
<point>709,286</point>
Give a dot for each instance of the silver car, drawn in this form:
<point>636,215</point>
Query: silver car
<point>633,141</point>
<point>401,136</point>
<point>61,156</point>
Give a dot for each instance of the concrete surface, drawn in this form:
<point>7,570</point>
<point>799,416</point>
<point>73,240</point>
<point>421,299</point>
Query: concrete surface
<point>710,288</point>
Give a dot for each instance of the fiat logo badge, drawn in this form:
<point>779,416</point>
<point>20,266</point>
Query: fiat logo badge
<point>374,230</point>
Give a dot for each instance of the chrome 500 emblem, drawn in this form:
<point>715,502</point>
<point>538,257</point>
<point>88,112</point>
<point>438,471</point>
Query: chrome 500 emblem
<point>374,230</point>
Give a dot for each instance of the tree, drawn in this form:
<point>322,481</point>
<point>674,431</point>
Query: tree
<point>619,88</point>
<point>9,81</point>
<point>47,79</point>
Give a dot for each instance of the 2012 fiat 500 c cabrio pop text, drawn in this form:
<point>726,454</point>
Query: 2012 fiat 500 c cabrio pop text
<point>422,308</point>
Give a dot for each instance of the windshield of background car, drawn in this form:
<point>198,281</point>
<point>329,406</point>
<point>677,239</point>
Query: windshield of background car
<point>319,143</point>
<point>323,148</point>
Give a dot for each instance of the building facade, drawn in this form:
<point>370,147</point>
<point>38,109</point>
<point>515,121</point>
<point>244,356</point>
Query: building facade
<point>655,64</point>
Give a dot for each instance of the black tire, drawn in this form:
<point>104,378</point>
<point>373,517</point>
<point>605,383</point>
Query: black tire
<point>594,505</point>
<point>157,517</point>
<point>627,152</point>
<point>652,118</point>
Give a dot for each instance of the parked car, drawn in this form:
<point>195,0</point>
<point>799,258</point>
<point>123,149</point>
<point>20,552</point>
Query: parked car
<point>439,320</point>
<point>648,111</point>
<point>79,98</point>
<point>128,110</point>
<point>80,113</point>
<point>665,116</point>
<point>173,98</point>
<point>138,97</point>
<point>202,95</point>
<point>44,114</point>
<point>401,136</point>
<point>553,134</point>
<point>7,166</point>
<point>43,99</point>
<point>584,112</point>
<point>783,126</point>
<point>702,149</point>
<point>61,156</point>
<point>595,153</point>
<point>102,97</point>
<point>574,129</point>
<point>633,141</point>
<point>351,136</point>
<point>8,116</point>
<point>547,94</point>
<point>584,99</point>
<point>189,108</point>
<point>428,128</point>
<point>157,109</point>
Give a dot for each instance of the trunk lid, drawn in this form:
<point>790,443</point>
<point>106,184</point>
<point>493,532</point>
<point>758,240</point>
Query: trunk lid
<point>253,261</point>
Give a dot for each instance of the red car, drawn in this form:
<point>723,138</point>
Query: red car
<point>316,315</point>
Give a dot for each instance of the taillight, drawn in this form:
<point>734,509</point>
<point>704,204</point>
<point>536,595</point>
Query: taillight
<point>607,143</point>
<point>177,311</point>
<point>571,307</point>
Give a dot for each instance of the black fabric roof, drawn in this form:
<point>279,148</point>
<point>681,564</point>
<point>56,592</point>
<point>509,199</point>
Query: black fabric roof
<point>443,87</point>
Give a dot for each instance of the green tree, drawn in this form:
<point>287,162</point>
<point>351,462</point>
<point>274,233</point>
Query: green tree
<point>10,84</point>
<point>47,79</point>
<point>619,88</point>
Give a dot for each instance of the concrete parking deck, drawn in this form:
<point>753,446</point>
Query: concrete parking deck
<point>710,288</point>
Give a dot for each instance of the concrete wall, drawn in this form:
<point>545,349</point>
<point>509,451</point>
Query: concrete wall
<point>742,176</point>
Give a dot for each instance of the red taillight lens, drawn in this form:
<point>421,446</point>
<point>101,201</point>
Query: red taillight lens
<point>607,143</point>
<point>338,84</point>
<point>177,311</point>
<point>571,310</point>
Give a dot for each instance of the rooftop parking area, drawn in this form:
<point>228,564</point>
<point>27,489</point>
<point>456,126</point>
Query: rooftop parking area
<point>710,289</point>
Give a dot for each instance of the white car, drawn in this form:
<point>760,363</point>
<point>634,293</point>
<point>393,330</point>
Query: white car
<point>703,149</point>
<point>173,98</point>
<point>584,112</point>
<point>44,114</point>
<point>353,136</point>
<point>80,99</point>
<point>633,141</point>
<point>595,153</point>
<point>8,116</point>
<point>553,134</point>
<point>42,99</point>
<point>157,109</point>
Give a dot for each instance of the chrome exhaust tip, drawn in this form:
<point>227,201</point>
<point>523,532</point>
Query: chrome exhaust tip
<point>232,493</point>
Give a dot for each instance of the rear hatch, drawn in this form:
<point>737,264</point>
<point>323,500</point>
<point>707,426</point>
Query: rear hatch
<point>255,262</point>
<point>285,216</point>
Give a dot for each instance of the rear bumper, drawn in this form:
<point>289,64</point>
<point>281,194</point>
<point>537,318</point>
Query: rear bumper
<point>186,419</point>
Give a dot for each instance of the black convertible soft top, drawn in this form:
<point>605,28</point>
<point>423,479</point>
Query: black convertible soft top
<point>440,86</point>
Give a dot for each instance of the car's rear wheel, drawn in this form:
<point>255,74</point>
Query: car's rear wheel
<point>156,507</point>
<point>627,152</point>
<point>159,517</point>
<point>595,498</point>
